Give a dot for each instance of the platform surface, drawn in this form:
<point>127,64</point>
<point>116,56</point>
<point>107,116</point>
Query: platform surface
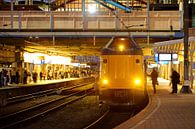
<point>42,82</point>
<point>165,110</point>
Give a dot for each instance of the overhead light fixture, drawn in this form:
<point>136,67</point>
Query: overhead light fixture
<point>92,8</point>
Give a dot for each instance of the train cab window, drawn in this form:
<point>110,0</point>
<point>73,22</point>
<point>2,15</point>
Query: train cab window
<point>137,61</point>
<point>104,60</point>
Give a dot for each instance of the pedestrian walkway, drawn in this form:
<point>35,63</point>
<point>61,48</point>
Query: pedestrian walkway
<point>165,110</point>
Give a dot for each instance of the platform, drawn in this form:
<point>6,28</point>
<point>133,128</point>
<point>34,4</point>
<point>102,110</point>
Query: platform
<point>165,110</point>
<point>42,82</point>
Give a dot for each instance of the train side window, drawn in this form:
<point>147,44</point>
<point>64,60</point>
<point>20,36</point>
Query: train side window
<point>137,61</point>
<point>104,60</point>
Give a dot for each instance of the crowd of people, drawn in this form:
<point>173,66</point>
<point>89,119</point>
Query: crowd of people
<point>13,76</point>
<point>9,77</point>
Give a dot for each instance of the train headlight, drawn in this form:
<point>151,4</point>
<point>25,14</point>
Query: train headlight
<point>121,47</point>
<point>137,81</point>
<point>105,81</point>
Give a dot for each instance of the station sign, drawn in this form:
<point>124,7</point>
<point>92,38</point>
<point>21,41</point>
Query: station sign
<point>166,57</point>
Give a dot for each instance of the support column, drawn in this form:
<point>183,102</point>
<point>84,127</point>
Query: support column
<point>191,68</point>
<point>148,22</point>
<point>186,88</point>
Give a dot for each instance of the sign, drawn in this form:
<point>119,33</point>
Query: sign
<point>166,57</point>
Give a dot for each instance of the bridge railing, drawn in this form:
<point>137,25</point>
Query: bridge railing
<point>27,20</point>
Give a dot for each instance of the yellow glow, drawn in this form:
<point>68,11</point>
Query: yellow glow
<point>37,57</point>
<point>60,60</point>
<point>122,39</point>
<point>33,57</point>
<point>137,81</point>
<point>105,81</point>
<point>121,47</point>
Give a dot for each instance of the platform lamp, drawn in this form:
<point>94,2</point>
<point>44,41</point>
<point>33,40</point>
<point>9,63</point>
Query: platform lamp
<point>186,87</point>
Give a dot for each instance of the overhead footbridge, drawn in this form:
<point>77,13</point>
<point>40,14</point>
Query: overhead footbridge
<point>105,24</point>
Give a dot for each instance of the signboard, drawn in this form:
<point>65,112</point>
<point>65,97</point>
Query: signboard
<point>166,57</point>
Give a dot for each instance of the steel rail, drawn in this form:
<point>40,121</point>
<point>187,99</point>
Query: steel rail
<point>38,107</point>
<point>42,93</point>
<point>93,124</point>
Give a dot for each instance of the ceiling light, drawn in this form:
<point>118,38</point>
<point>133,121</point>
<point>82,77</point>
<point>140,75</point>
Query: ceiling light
<point>92,8</point>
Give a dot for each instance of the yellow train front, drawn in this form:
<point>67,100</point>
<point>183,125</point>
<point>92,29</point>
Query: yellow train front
<point>122,74</point>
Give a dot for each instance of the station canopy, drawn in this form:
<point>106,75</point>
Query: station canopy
<point>173,46</point>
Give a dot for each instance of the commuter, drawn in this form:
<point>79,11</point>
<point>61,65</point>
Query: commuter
<point>62,74</point>
<point>5,77</point>
<point>154,76</point>
<point>29,79</point>
<point>10,75</point>
<point>13,76</point>
<point>41,75</point>
<point>34,76</point>
<point>55,75</point>
<point>1,78</point>
<point>66,74</point>
<point>49,75</point>
<point>25,76</point>
<point>175,79</point>
<point>17,77</point>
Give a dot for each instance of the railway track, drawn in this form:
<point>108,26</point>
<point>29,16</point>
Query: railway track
<point>17,118</point>
<point>115,116</point>
<point>26,97</point>
<point>110,119</point>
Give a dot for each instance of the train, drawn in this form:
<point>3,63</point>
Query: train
<point>122,79</point>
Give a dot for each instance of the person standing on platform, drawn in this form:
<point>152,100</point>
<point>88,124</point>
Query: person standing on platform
<point>1,78</point>
<point>13,76</point>
<point>17,78</point>
<point>41,76</point>
<point>154,76</point>
<point>25,76</point>
<point>175,79</point>
<point>34,76</point>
